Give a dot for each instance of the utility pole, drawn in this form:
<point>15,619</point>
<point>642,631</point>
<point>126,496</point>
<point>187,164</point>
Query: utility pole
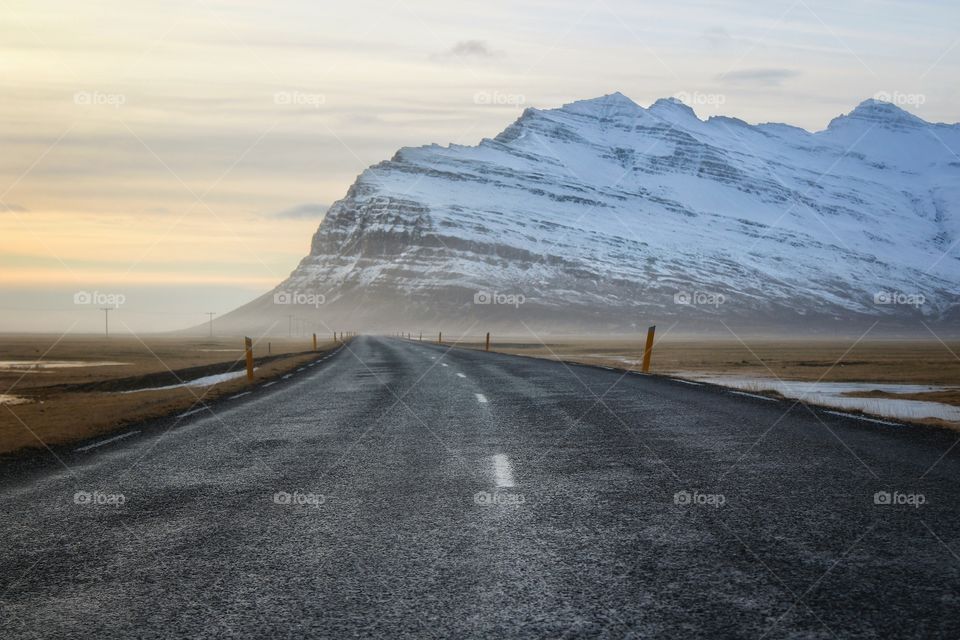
<point>211,314</point>
<point>106,321</point>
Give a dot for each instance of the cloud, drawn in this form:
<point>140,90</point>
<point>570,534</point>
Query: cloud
<point>468,50</point>
<point>302,211</point>
<point>764,77</point>
<point>16,208</point>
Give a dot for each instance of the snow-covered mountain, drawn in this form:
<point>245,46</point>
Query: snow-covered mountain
<point>603,215</point>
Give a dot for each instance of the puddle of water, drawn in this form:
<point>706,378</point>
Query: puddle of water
<point>831,394</point>
<point>6,398</point>
<point>41,365</point>
<point>205,381</point>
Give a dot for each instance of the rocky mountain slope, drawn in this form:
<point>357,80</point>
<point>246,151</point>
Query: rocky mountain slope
<point>605,216</point>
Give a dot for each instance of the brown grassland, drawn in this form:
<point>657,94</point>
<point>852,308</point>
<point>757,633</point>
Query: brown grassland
<point>62,405</point>
<point>891,361</point>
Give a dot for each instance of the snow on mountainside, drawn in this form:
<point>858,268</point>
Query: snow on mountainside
<point>605,215</point>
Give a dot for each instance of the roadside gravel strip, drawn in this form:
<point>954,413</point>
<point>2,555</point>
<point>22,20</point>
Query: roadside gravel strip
<point>379,493</point>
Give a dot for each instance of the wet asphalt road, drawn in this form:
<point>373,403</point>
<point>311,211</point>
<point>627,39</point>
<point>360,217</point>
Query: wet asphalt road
<point>404,490</point>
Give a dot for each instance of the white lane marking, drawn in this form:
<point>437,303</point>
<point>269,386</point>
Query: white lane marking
<point>482,399</point>
<point>289,375</point>
<point>444,364</point>
<point>300,369</point>
<point>753,395</point>
<point>502,471</point>
<point>691,382</point>
<point>191,412</point>
<point>460,375</point>
<point>240,395</point>
<point>269,384</point>
<point>864,418</point>
<point>94,445</point>
<point>607,368</point>
<point>433,357</point>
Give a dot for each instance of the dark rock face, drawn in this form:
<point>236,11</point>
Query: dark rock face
<point>605,216</point>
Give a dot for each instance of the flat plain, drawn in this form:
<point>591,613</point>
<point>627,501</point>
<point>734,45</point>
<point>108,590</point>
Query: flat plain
<point>60,390</point>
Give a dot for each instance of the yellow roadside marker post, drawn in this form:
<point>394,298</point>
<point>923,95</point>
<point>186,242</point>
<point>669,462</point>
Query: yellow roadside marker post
<point>314,342</point>
<point>648,351</point>
<point>248,347</point>
<point>488,341</point>
<point>440,338</point>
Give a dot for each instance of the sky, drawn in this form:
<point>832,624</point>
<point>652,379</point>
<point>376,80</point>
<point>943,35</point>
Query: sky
<point>178,156</point>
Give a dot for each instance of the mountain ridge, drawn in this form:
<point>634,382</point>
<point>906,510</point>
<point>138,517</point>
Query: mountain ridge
<point>604,213</point>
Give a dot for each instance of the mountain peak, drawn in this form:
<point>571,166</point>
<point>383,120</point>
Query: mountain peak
<point>614,102</point>
<point>615,98</point>
<point>879,113</point>
<point>672,105</point>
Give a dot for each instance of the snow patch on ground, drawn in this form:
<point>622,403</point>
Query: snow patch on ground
<point>830,394</point>
<point>205,381</point>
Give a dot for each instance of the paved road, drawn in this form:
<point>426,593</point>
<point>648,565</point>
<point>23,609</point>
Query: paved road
<point>402,490</point>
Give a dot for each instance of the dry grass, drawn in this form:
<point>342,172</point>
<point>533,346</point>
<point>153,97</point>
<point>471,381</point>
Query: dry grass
<point>889,361</point>
<point>59,412</point>
<point>949,396</point>
<point>139,356</point>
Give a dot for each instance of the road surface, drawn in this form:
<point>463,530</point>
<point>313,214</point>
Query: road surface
<point>401,489</point>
